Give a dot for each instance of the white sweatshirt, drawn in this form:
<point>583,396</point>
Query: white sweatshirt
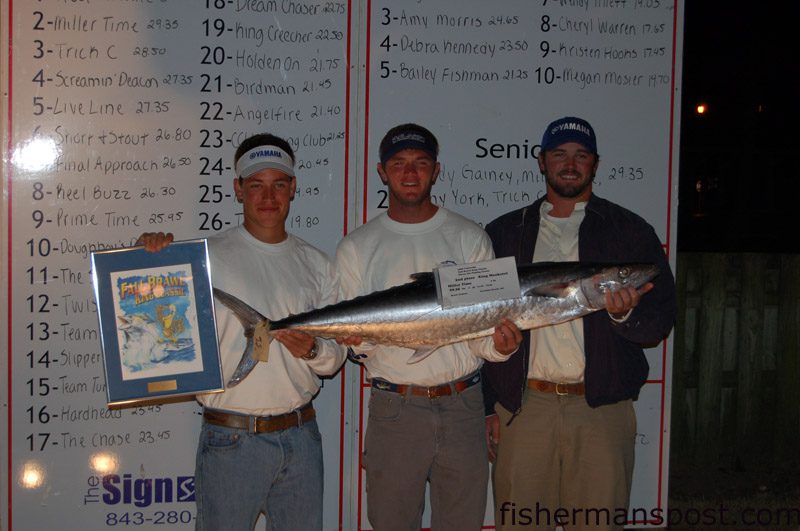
<point>382,254</point>
<point>277,280</point>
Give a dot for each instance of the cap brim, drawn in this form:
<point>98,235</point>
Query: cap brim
<point>265,165</point>
<point>407,144</point>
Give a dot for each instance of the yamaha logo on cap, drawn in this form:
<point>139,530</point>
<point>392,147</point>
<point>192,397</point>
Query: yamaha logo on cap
<point>266,153</point>
<point>571,126</point>
<point>408,137</point>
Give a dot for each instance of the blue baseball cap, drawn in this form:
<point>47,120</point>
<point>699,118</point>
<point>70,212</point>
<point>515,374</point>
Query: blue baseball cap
<point>569,129</point>
<point>408,136</point>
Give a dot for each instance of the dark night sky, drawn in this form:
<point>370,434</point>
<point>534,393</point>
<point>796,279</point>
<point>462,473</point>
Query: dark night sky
<point>741,59</point>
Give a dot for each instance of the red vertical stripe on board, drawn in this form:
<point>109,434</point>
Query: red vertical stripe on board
<point>9,174</point>
<point>343,374</point>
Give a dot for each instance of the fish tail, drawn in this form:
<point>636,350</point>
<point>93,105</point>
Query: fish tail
<point>247,315</point>
<point>253,323</point>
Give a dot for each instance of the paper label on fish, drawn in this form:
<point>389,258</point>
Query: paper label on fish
<point>490,280</point>
<point>261,342</point>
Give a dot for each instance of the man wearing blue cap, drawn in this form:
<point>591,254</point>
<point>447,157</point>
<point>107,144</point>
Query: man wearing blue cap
<point>260,449</point>
<point>426,421</point>
<point>560,418</point>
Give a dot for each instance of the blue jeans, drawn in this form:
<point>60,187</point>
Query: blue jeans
<point>240,475</point>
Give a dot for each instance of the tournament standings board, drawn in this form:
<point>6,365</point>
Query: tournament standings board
<point>122,116</point>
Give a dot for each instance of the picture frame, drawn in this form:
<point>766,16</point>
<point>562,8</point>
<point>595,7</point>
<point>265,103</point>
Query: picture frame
<point>157,322</point>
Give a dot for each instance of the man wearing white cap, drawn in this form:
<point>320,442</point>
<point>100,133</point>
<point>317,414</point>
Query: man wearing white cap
<point>260,450</point>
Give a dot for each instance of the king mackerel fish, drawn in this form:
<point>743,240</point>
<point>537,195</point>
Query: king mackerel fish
<point>409,315</point>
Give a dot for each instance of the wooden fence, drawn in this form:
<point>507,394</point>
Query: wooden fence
<point>736,372</point>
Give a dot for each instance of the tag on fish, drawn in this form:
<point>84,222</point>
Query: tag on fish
<point>476,282</point>
<point>261,342</point>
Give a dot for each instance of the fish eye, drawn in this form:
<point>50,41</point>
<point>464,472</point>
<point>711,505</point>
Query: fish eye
<point>624,272</point>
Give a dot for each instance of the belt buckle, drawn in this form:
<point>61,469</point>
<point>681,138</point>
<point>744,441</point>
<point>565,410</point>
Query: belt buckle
<point>431,393</point>
<point>380,384</point>
<point>252,424</point>
<point>299,417</point>
<point>561,393</point>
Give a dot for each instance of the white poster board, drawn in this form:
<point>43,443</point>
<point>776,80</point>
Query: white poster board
<point>486,78</point>
<point>122,117</point>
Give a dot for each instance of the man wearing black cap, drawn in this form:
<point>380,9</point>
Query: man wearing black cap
<point>426,421</point>
<point>563,433</point>
<point>260,448</point>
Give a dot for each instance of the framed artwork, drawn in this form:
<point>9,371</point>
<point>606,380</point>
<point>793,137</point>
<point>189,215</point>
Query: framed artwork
<point>157,325</point>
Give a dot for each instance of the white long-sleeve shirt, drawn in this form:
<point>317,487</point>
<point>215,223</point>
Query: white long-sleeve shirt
<point>277,280</point>
<point>382,254</point>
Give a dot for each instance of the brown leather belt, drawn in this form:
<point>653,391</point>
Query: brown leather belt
<point>431,392</point>
<point>255,424</point>
<point>557,388</point>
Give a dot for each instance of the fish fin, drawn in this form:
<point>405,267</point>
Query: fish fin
<point>255,327</point>
<point>420,354</point>
<point>246,365</point>
<point>421,275</point>
<point>556,290</point>
<point>247,315</point>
